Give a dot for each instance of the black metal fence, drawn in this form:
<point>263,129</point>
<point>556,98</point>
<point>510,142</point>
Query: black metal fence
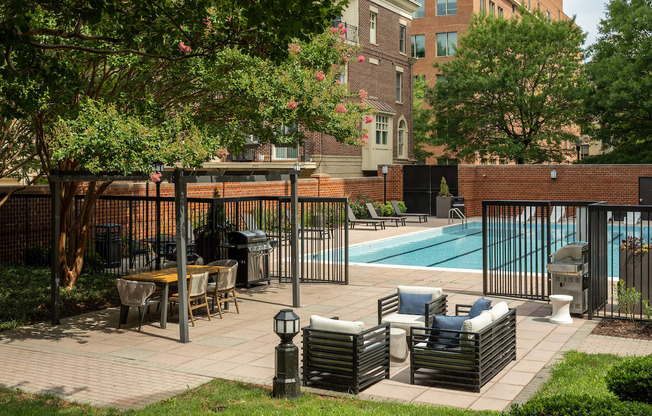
<point>134,232</point>
<point>518,239</point>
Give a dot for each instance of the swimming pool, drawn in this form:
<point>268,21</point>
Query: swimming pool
<point>460,248</point>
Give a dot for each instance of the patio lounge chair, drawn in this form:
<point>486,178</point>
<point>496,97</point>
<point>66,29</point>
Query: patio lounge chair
<point>374,215</point>
<point>633,218</point>
<point>397,209</point>
<point>526,214</point>
<point>468,358</point>
<point>342,355</point>
<point>353,220</point>
<point>389,307</point>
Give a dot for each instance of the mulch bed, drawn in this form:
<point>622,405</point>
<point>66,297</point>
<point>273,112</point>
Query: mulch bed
<point>624,329</point>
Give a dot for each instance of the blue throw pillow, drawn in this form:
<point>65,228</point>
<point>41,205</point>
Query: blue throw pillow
<point>412,303</point>
<point>478,306</point>
<point>441,340</point>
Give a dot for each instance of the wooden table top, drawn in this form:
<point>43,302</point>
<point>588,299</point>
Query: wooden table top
<point>169,275</point>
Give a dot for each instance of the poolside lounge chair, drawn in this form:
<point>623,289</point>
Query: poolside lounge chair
<point>526,214</point>
<point>397,209</point>
<point>374,215</point>
<point>633,218</point>
<point>557,213</point>
<point>353,220</point>
<point>342,355</point>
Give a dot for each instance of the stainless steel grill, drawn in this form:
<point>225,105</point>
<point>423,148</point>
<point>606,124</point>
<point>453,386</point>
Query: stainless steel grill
<point>568,268</point>
<point>251,249</point>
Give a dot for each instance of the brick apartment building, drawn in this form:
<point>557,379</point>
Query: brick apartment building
<point>383,29</point>
<point>438,24</point>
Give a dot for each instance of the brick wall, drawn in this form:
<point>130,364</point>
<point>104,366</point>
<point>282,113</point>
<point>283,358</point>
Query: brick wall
<point>616,184</point>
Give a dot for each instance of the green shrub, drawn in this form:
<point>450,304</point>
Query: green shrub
<point>579,405</point>
<point>402,206</point>
<point>93,263</point>
<point>632,379</point>
<point>358,207</point>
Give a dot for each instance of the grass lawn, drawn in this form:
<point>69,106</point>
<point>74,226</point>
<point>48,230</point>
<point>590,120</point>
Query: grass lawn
<point>580,373</point>
<point>225,398</point>
<point>25,295</point>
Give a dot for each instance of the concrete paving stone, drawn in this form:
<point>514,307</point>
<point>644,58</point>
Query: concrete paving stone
<point>221,341</point>
<point>519,378</point>
<point>488,403</point>
<point>446,398</point>
<point>131,353</point>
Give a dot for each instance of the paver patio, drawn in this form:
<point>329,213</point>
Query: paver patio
<point>88,359</point>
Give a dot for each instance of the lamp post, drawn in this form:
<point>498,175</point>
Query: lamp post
<point>385,169</point>
<point>578,147</point>
<point>286,379</point>
<point>294,237</point>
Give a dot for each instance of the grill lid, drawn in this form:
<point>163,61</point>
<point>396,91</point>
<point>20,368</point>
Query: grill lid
<point>247,237</point>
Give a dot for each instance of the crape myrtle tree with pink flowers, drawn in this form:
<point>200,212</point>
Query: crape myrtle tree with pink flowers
<point>122,86</point>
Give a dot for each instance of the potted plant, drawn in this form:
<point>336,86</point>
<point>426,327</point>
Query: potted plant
<point>634,265</point>
<point>444,200</point>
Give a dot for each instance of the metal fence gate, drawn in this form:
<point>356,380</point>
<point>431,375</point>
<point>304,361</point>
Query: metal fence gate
<point>421,184</point>
<point>135,232</point>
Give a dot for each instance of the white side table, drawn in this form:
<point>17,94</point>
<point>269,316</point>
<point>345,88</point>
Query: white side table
<point>398,349</point>
<point>561,309</point>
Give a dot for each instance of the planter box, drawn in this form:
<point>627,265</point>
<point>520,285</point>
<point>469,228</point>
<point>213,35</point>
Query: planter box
<point>634,270</point>
<point>444,204</point>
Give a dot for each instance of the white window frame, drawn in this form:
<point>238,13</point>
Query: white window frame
<point>381,124</point>
<point>373,23</point>
<point>285,150</point>
<point>344,76</point>
<point>401,139</point>
<point>402,38</point>
<point>399,87</point>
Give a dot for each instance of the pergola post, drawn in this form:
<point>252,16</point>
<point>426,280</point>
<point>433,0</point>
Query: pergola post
<point>294,239</point>
<point>181,203</point>
<point>55,273</point>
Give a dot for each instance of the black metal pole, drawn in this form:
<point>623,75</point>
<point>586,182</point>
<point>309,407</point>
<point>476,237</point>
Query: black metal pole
<point>181,202</point>
<point>54,252</point>
<point>384,188</point>
<point>294,241</point>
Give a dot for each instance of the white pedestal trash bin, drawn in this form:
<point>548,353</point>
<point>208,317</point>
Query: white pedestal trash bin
<point>561,309</point>
<point>398,349</point>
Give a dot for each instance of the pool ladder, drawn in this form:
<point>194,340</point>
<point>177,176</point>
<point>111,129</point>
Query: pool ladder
<point>460,215</point>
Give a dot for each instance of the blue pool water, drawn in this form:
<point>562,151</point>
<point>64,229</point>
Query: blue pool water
<point>457,247</point>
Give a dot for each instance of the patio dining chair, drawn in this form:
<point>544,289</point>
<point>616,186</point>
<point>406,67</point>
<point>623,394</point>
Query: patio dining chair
<point>136,294</point>
<point>197,297</point>
<point>224,286</point>
<point>375,216</point>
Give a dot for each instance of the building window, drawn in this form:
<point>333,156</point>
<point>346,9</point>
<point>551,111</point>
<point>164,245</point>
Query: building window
<point>483,6</point>
<point>492,8</point>
<point>446,7</point>
<point>513,9</point>
<point>421,11</point>
<point>401,140</point>
<point>547,15</point>
<point>344,75</point>
<point>286,153</point>
<point>446,43</point>
<point>528,4</point>
<point>399,87</point>
<point>401,40</point>
<point>382,129</point>
<point>419,46</point>
<point>372,27</point>
<point>584,150</point>
<point>440,78</point>
<point>419,78</point>
<point>500,11</point>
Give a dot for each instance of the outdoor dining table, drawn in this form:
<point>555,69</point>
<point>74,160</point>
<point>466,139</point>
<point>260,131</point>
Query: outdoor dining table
<point>164,278</point>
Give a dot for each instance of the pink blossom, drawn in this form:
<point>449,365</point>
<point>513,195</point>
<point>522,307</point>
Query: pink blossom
<point>365,136</point>
<point>340,26</point>
<point>343,30</point>
<point>320,76</point>
<point>155,177</point>
<point>363,95</point>
<point>343,38</point>
<point>345,58</point>
<point>340,109</point>
<point>206,21</point>
<point>292,104</point>
<point>221,153</point>
<point>338,82</point>
<point>334,30</point>
<point>360,59</point>
<point>294,48</point>
<point>368,119</point>
<point>184,48</point>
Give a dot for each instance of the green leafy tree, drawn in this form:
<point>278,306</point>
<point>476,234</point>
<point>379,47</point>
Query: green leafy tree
<point>18,155</point>
<point>513,91</point>
<point>125,85</point>
<point>421,120</point>
<point>620,72</point>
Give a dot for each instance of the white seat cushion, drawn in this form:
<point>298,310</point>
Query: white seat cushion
<point>498,311</point>
<point>334,325</point>
<point>421,290</point>
<point>404,321</point>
